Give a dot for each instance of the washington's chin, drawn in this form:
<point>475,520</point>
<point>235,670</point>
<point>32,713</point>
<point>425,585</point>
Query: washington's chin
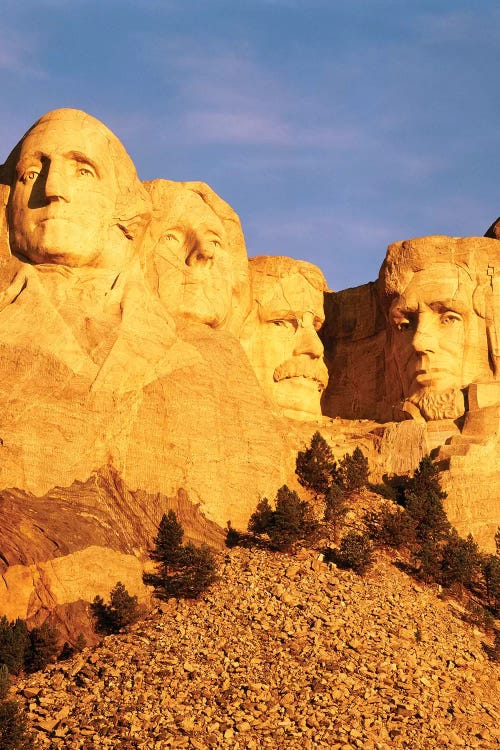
<point>198,310</point>
<point>299,397</point>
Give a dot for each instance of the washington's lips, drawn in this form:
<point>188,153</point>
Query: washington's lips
<point>301,368</point>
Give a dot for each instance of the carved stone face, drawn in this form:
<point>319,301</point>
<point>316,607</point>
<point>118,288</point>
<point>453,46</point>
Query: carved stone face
<point>62,207</point>
<point>189,262</point>
<point>282,343</point>
<point>438,341</point>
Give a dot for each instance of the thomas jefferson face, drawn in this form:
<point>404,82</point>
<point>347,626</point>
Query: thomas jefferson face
<point>63,200</point>
<point>191,261</point>
<point>283,344</point>
<point>431,323</point>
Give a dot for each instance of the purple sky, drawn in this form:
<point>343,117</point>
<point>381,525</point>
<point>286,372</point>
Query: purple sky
<point>333,127</point>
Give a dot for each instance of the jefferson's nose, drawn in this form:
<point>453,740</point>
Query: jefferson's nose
<point>198,251</point>
<point>308,342</point>
<point>57,186</point>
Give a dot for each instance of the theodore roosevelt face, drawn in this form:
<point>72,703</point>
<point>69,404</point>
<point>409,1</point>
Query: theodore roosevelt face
<point>282,342</point>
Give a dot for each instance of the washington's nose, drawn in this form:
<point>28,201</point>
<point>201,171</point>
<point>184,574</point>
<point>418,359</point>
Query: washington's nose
<point>308,342</point>
<point>198,251</point>
<point>57,186</point>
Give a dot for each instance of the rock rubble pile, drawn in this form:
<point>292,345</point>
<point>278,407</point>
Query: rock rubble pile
<point>281,653</point>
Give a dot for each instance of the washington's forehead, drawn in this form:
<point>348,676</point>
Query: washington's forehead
<point>60,136</point>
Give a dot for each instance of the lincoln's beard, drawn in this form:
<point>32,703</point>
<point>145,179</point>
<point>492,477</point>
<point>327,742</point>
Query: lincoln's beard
<point>433,404</point>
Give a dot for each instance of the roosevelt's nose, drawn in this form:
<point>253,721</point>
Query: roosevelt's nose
<point>57,185</point>
<point>308,342</point>
<point>198,250</point>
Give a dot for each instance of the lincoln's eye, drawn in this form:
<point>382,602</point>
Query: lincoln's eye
<point>403,325</point>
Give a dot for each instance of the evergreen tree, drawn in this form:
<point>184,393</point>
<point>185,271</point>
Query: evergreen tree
<point>262,518</point>
<point>429,555</point>
<point>459,561</point>
<point>122,610</point>
<point>292,520</point>
<point>355,552</point>
<point>491,573</point>
<point>196,571</point>
<point>4,681</point>
<point>183,570</point>
<point>14,644</point>
<point>335,508</point>
<point>354,470</point>
<point>14,733</point>
<point>44,647</point>
<point>168,541</point>
<point>316,467</point>
<point>423,498</point>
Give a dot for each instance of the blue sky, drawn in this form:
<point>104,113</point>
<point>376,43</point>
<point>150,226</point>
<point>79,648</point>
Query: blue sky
<point>333,127</point>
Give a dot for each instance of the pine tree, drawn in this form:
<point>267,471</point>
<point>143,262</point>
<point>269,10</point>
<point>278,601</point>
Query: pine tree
<point>122,610</point>
<point>14,644</point>
<point>292,519</point>
<point>460,560</point>
<point>14,733</point>
<point>4,681</point>
<point>168,541</point>
<point>355,552</point>
<point>262,518</point>
<point>354,470</point>
<point>423,498</point>
<point>44,647</point>
<point>183,570</point>
<point>491,573</point>
<point>335,508</point>
<point>316,467</point>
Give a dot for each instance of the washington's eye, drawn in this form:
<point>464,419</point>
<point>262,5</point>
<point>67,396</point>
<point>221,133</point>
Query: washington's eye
<point>450,318</point>
<point>84,172</point>
<point>30,174</point>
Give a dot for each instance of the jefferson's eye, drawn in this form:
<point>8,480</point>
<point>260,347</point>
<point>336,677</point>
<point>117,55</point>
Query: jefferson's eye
<point>286,325</point>
<point>215,243</point>
<point>450,318</point>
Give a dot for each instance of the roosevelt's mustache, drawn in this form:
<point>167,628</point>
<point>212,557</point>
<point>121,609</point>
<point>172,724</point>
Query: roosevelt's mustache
<point>313,369</point>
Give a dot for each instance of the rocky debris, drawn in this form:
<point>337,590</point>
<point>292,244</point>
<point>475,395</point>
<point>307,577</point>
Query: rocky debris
<point>281,653</point>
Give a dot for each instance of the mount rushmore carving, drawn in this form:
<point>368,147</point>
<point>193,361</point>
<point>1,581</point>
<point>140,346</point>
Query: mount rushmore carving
<point>137,338</point>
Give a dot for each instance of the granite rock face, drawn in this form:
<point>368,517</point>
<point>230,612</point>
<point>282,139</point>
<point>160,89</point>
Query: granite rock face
<point>146,363</point>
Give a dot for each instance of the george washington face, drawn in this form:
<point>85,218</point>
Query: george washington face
<point>62,206</point>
